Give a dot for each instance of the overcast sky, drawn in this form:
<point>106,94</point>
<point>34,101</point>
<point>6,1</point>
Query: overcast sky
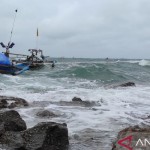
<point>79,28</point>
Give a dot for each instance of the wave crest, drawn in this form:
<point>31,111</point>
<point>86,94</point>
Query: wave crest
<point>144,63</point>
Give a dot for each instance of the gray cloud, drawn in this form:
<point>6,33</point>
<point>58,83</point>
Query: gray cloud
<point>79,28</point>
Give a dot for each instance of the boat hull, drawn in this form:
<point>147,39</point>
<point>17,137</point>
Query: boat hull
<point>36,65</point>
<point>13,70</point>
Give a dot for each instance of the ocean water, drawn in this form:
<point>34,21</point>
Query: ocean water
<point>94,80</point>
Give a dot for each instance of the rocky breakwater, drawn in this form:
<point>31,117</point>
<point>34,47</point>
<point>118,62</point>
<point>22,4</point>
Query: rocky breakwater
<point>14,134</point>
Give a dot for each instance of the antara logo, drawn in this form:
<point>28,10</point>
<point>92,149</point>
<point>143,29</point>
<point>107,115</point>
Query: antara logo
<point>143,143</point>
<point>126,143</point>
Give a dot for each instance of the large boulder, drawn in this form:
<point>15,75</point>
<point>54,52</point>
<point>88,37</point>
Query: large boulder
<point>11,121</point>
<point>43,136</point>
<point>12,141</point>
<point>3,103</point>
<point>12,102</point>
<point>10,126</point>
<point>46,136</point>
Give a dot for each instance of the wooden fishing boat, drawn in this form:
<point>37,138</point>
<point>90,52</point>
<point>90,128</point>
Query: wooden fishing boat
<point>7,67</point>
<point>35,60</point>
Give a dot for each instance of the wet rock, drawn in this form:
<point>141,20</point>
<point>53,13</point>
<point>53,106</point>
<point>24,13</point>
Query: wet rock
<point>12,102</point>
<point>11,121</point>
<point>46,136</point>
<point>10,126</point>
<point>77,99</point>
<point>2,128</point>
<point>12,105</point>
<point>94,109</point>
<point>3,103</point>
<point>43,136</point>
<point>78,103</point>
<point>46,113</point>
<point>127,84</point>
<point>12,141</point>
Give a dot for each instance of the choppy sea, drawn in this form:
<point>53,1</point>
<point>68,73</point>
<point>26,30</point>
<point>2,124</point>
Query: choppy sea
<point>94,80</point>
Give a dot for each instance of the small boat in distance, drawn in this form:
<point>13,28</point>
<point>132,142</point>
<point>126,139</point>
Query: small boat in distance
<point>35,60</point>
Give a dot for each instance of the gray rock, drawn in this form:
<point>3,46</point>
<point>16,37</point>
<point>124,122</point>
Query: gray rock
<point>12,102</point>
<point>12,105</point>
<point>2,128</point>
<point>12,141</point>
<point>46,136</point>
<point>46,113</point>
<point>77,99</point>
<point>11,121</point>
<point>3,103</point>
<point>43,136</point>
<point>127,84</point>
<point>80,102</point>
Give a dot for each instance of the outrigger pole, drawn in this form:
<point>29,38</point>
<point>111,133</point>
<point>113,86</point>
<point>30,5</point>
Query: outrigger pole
<point>13,25</point>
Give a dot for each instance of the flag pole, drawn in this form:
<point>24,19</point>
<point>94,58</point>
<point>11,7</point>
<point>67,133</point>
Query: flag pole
<point>37,35</point>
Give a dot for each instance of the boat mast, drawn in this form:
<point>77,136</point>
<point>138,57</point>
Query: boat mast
<point>13,25</point>
<point>10,45</point>
<point>37,36</point>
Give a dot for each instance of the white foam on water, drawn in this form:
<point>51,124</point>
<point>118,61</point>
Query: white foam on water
<point>130,61</point>
<point>116,104</point>
<point>144,63</point>
<point>113,109</point>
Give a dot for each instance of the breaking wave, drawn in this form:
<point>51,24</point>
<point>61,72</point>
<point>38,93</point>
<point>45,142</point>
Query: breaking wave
<point>144,63</point>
